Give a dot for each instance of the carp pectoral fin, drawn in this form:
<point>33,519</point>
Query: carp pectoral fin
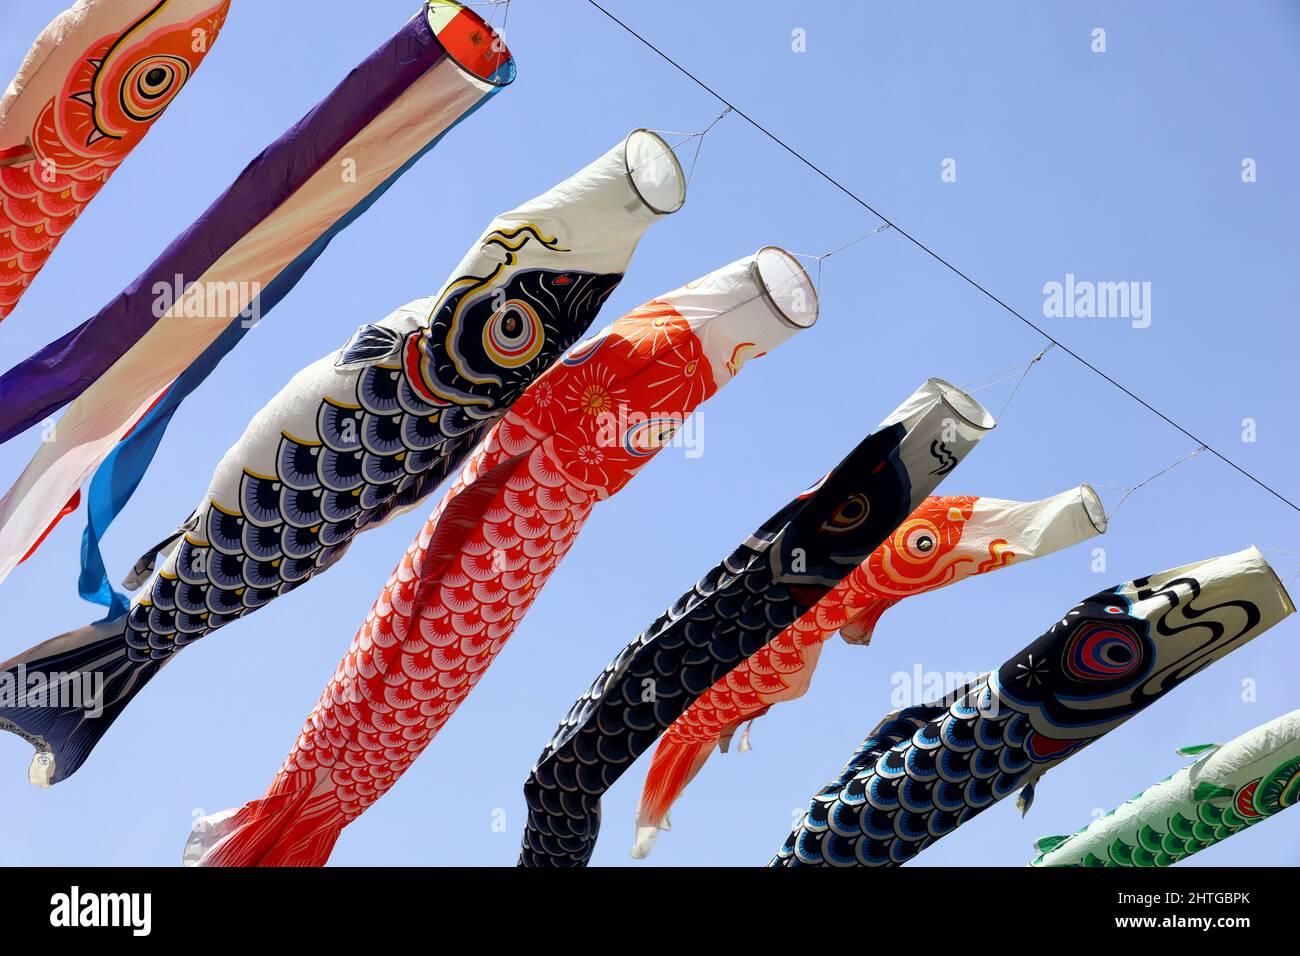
<point>862,625</point>
<point>1211,791</point>
<point>1049,843</point>
<point>1026,799</point>
<point>1194,749</point>
<point>369,344</point>
<point>892,715</point>
<point>145,564</point>
<point>462,515</point>
<point>17,155</point>
<point>725,738</point>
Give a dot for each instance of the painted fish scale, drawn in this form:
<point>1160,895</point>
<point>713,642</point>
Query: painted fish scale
<point>432,664</point>
<point>916,780</point>
<point>462,626</point>
<point>433,633</point>
<point>726,617</point>
<point>776,669</point>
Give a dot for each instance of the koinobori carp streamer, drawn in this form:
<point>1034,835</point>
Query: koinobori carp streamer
<point>774,577</point>
<point>945,540</point>
<point>1225,790</point>
<point>577,437</point>
<point>926,770</point>
<point>92,86</point>
<point>364,434</point>
<point>127,369</point>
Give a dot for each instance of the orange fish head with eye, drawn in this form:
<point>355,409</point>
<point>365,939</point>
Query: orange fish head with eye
<point>919,555</point>
<point>922,554</point>
<point>121,86</point>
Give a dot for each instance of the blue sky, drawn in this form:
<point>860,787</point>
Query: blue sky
<point>1116,166</point>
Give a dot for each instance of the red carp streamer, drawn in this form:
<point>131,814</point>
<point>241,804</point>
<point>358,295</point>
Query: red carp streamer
<point>575,437</point>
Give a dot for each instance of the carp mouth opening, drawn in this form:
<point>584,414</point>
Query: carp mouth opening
<point>1093,508</point>
<point>786,287</point>
<point>966,407</point>
<point>470,43</point>
<point>654,171</point>
<point>1258,558</point>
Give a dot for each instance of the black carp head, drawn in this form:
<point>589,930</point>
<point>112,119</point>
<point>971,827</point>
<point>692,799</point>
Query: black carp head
<point>490,339</point>
<point>533,283</point>
<point>831,529</point>
<point>1120,650</point>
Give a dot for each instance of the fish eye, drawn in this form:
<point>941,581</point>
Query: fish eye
<point>151,84</point>
<point>514,335</point>
<point>648,437</point>
<point>1100,651</point>
<point>916,539</point>
<point>849,515</point>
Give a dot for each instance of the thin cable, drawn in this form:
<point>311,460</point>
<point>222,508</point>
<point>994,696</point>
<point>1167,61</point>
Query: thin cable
<point>1128,493</point>
<point>686,138</point>
<point>819,259</point>
<point>495,5</point>
<point>1290,579</point>
<point>1021,381</point>
<point>690,174</point>
<point>997,378</point>
<point>1019,372</point>
<point>940,259</point>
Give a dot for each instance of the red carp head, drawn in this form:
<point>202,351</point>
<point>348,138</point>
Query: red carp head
<point>921,555</point>
<point>121,86</point>
<point>632,387</point>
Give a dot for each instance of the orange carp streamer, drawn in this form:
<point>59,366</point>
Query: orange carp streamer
<point>945,540</point>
